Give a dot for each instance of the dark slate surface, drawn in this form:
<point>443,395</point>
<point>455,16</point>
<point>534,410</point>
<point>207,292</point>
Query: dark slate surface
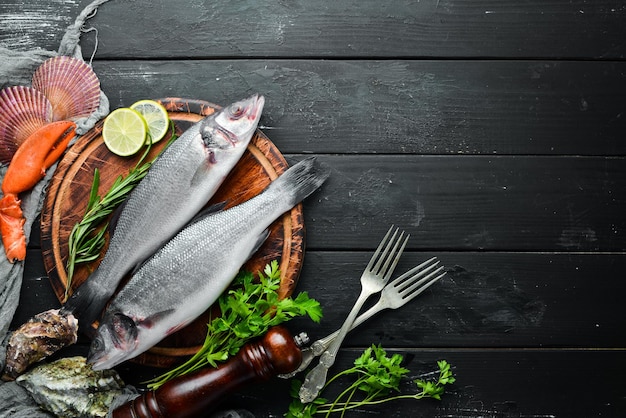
<point>492,131</point>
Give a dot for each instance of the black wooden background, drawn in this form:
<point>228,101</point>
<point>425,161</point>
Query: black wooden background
<point>492,131</point>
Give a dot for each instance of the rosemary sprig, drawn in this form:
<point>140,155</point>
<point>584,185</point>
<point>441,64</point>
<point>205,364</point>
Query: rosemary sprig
<point>88,235</point>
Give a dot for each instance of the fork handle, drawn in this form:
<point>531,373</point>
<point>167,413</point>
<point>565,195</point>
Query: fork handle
<point>321,345</point>
<point>379,306</point>
<point>316,378</point>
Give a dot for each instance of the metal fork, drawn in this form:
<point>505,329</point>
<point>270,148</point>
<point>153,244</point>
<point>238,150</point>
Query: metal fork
<point>373,279</point>
<point>395,295</point>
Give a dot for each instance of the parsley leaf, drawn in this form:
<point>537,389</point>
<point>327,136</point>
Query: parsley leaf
<point>248,309</point>
<point>377,378</point>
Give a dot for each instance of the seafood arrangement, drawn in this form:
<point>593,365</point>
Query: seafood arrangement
<point>178,260</point>
<point>36,125</point>
<point>178,185</point>
<point>204,257</point>
<point>206,252</point>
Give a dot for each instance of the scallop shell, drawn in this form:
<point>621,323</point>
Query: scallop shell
<point>71,86</point>
<point>23,110</point>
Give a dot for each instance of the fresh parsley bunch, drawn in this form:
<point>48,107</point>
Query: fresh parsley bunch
<point>378,379</point>
<point>247,311</point>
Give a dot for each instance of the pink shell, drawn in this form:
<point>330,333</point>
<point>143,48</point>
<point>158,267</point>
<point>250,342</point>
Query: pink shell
<point>23,110</point>
<point>71,86</point>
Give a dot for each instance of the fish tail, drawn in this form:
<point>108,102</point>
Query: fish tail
<point>86,303</point>
<point>300,180</point>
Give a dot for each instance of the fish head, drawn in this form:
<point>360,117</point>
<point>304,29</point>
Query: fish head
<point>116,339</point>
<point>228,132</point>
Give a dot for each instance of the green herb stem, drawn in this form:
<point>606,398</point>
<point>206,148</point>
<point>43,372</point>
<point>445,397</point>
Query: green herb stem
<point>377,377</point>
<point>247,310</point>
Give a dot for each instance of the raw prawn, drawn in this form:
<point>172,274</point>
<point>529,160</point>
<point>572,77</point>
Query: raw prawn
<point>29,164</point>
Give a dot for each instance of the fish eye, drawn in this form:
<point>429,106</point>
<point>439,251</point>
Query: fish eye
<point>96,345</point>
<point>236,111</point>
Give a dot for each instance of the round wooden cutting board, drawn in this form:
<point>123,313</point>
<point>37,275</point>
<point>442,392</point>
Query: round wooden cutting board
<point>68,194</point>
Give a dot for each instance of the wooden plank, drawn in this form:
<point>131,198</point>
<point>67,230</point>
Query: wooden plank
<point>500,203</point>
<point>485,295</point>
<point>468,203</point>
<point>434,28</point>
<point>398,106</point>
<point>490,384</point>
<point>28,25</point>
<point>486,300</point>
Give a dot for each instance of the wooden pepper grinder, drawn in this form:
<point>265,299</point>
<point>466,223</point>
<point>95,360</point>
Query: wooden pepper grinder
<point>196,394</point>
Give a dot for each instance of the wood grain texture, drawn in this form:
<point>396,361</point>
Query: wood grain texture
<point>404,106</point>
<point>351,28</point>
<point>490,384</point>
<point>36,25</point>
<point>533,300</point>
<point>487,299</point>
<point>492,130</point>
<point>463,203</point>
<point>524,332</point>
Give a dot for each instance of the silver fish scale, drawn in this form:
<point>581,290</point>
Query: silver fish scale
<point>178,184</point>
<point>155,201</point>
<point>188,274</point>
<point>199,263</point>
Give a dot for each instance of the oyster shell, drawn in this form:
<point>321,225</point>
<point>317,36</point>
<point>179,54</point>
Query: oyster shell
<point>42,335</point>
<point>70,388</point>
<point>70,85</point>
<point>23,110</point>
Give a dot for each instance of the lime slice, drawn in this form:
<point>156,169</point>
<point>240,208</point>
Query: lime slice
<point>124,131</point>
<point>156,117</point>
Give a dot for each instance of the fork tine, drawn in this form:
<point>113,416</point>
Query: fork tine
<point>387,255</point>
<point>418,287</point>
<point>395,295</point>
<point>420,269</point>
<point>380,247</point>
<point>389,269</point>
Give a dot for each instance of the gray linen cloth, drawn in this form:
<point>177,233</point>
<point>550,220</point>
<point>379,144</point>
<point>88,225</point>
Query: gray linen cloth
<point>16,68</point>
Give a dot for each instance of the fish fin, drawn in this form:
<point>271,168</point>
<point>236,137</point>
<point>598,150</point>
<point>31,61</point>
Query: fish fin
<point>199,176</point>
<point>176,328</point>
<point>153,319</point>
<point>138,266</point>
<point>300,180</point>
<point>209,210</point>
<point>86,303</point>
<point>259,241</point>
<point>115,218</point>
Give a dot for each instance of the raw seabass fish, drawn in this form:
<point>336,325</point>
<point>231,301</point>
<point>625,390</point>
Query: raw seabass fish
<point>180,182</point>
<point>185,277</point>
